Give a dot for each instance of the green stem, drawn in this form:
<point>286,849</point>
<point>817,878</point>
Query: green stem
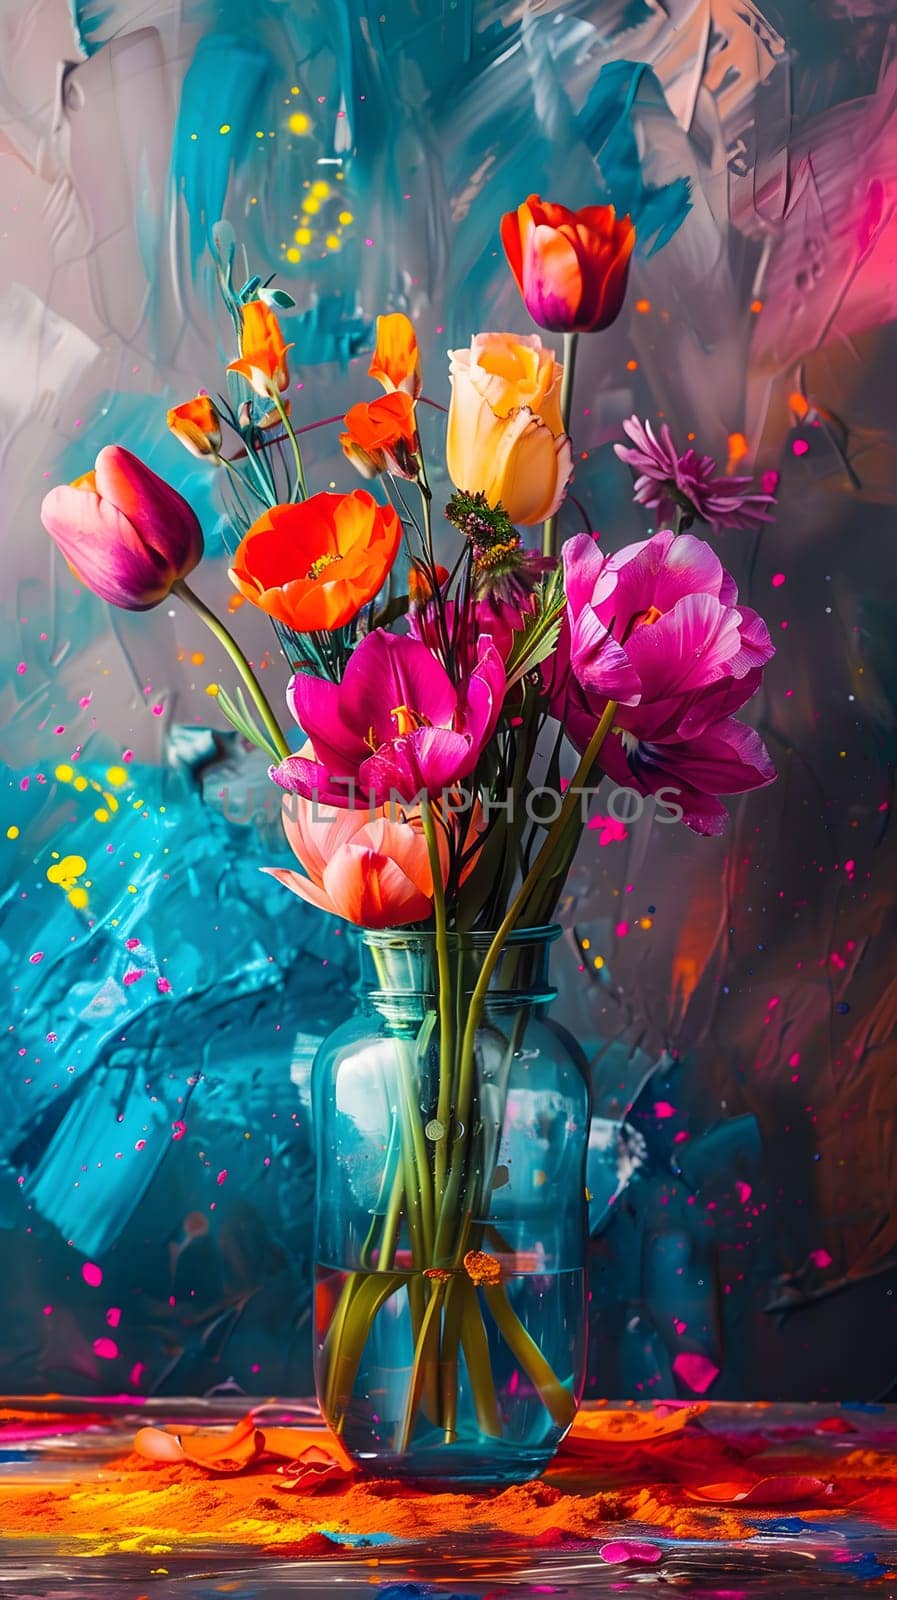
<point>294,442</point>
<point>475,1345</point>
<point>395,1197</point>
<point>446,1001</point>
<point>352,1336</point>
<point>558,1400</point>
<point>415,1161</point>
<point>239,477</point>
<point>549,531</point>
<point>422,1352</point>
<point>542,863</point>
<point>185,593</point>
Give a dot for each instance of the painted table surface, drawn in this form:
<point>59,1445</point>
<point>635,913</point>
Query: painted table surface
<point>641,1498</point>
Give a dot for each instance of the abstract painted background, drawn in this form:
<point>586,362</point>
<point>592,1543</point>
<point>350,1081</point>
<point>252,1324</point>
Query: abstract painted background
<point>737,997</point>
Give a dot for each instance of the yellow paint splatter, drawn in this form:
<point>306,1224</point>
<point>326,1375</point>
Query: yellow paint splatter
<point>67,871</point>
<point>12,832</point>
<point>78,898</point>
<point>64,773</point>
<point>117,776</point>
<point>299,122</point>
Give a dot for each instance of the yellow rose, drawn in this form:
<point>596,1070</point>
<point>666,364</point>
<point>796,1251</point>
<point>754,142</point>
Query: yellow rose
<point>506,439</point>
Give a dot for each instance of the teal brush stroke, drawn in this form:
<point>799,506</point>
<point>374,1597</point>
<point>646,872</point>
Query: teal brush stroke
<point>228,82</point>
<point>87,20</point>
<point>606,125</point>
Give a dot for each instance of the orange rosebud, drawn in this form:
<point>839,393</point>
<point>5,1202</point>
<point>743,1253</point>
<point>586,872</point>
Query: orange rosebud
<point>419,586</point>
<point>315,564</point>
<point>396,360</point>
<point>198,426</point>
<point>382,436</point>
<point>482,1268</point>
<point>571,267</point>
<point>263,353</point>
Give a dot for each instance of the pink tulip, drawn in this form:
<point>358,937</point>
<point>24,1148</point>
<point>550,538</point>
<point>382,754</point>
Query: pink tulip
<point>125,533</point>
<point>658,628</point>
<point>395,726</point>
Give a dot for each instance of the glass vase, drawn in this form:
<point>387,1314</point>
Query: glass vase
<point>451,1120</point>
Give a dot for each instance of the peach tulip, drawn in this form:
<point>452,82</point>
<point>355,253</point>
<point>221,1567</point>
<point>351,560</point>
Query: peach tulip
<point>506,438</point>
<point>372,868</point>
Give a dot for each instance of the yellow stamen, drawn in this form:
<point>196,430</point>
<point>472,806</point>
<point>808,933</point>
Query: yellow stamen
<point>408,721</point>
<point>319,566</point>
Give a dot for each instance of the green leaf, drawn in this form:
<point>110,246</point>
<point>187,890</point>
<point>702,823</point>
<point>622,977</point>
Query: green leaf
<point>240,717</point>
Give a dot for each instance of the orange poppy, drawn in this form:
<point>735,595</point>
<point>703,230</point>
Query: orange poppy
<point>396,360</point>
<point>382,436</point>
<point>263,353</point>
<point>316,564</point>
<point>198,426</point>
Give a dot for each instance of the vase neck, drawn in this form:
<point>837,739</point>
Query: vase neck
<point>398,966</point>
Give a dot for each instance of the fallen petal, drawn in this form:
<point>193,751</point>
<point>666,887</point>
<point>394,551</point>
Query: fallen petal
<point>204,1447</point>
<point>311,1471</point>
<point>790,1489</point>
<point>630,1550</point>
<point>292,1443</point>
<point>157,1445</point>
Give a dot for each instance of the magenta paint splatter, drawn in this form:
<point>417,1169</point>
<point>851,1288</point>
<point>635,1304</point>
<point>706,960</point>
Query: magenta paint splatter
<point>697,1372</point>
<point>178,1129</point>
<point>106,1349</point>
<point>113,1316</point>
<point>36,957</point>
<point>92,1274</point>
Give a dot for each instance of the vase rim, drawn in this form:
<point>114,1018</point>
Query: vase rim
<point>478,940</point>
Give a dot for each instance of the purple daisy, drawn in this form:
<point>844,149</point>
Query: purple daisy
<point>688,484</point>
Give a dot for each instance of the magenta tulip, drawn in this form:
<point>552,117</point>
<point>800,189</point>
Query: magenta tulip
<point>658,628</point>
<point>125,533</point>
<point>396,726</point>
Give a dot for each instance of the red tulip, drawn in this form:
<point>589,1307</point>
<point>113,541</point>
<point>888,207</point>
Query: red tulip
<point>571,266</point>
<point>125,533</point>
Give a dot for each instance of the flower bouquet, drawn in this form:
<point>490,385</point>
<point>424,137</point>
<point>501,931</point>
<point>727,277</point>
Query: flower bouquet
<point>456,720</point>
